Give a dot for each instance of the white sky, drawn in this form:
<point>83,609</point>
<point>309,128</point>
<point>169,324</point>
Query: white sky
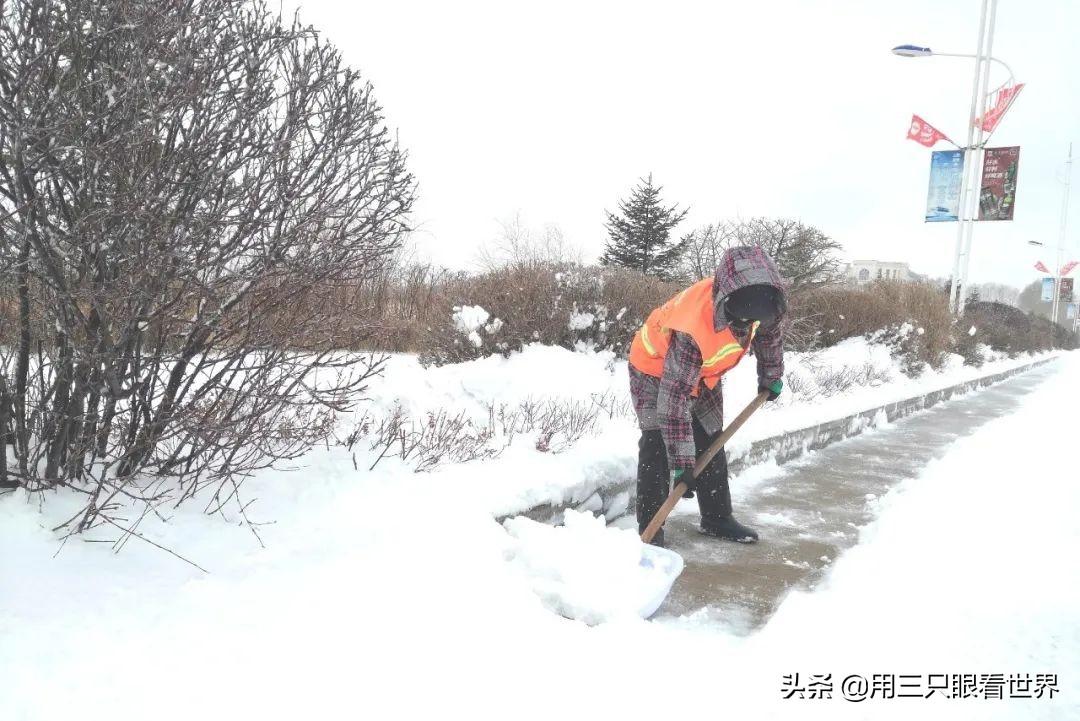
<point>778,108</point>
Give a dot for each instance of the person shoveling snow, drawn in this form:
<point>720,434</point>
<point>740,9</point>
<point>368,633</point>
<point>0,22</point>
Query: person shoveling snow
<point>677,359</point>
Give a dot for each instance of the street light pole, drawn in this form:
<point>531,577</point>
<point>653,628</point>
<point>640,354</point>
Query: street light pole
<point>1055,306</point>
<point>954,290</point>
<point>973,151</point>
<point>982,67</point>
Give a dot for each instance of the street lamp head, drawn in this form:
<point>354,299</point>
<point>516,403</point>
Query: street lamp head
<point>912,51</point>
<point>1035,242</point>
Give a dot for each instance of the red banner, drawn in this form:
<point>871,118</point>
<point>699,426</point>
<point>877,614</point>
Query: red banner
<point>1002,102</point>
<point>924,133</point>
<point>1041,267</point>
<point>1067,268</point>
<point>997,197</point>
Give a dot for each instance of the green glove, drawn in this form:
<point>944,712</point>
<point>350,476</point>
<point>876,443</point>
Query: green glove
<point>773,389</point>
<point>681,475</point>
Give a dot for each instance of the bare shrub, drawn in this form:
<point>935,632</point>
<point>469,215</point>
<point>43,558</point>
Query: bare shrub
<point>443,436</point>
<point>397,307</point>
<point>184,187</point>
<point>1010,330</point>
<point>817,380</point>
<point>439,438</point>
<point>913,317</point>
<point>566,305</point>
<point>558,425</point>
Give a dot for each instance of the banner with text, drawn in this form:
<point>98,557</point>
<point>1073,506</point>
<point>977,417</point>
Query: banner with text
<point>1066,290</point>
<point>924,133</point>
<point>1047,290</point>
<point>1001,100</point>
<point>997,198</point>
<point>943,200</point>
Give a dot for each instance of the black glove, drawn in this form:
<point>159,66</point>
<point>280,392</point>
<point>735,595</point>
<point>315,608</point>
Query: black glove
<point>773,389</point>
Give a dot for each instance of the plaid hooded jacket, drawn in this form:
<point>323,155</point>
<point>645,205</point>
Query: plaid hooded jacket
<point>666,403</point>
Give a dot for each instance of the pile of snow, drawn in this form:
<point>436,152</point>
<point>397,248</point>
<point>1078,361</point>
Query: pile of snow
<point>580,321</point>
<point>587,571</point>
<point>468,319</point>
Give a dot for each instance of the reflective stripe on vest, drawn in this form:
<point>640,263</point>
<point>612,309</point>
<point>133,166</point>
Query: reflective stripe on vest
<point>645,340</point>
<point>731,348</point>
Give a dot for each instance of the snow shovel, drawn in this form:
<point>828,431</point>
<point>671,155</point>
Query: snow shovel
<point>680,487</point>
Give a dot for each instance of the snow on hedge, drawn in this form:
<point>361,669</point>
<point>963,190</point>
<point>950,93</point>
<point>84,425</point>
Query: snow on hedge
<point>468,319</point>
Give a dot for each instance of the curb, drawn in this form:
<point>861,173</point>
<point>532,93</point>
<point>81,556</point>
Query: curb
<point>791,445</point>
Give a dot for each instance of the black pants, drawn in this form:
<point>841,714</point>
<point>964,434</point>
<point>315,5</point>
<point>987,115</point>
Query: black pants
<point>654,479</point>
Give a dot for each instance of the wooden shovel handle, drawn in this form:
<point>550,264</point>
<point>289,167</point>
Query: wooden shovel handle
<point>680,487</point>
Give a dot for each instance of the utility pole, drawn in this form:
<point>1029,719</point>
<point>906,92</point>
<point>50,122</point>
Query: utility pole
<point>977,165</point>
<point>970,154</point>
<point>970,178</point>
<point>1056,304</point>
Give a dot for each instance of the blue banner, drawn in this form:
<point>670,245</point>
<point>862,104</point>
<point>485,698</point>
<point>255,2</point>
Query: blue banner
<point>943,200</point>
<point>1047,290</point>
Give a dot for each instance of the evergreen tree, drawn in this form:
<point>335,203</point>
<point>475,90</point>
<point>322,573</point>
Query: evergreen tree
<point>639,236</point>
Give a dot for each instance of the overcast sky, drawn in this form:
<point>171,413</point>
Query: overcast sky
<point>779,108</point>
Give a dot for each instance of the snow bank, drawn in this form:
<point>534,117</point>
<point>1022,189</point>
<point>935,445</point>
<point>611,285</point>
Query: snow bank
<point>587,571</point>
<point>537,372</point>
<point>969,568</point>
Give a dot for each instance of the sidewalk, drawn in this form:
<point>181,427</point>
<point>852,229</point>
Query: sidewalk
<point>809,512</point>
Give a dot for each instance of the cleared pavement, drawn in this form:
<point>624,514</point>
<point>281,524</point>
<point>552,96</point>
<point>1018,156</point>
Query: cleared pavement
<point>811,510</point>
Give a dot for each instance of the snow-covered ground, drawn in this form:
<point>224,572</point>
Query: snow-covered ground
<point>390,593</point>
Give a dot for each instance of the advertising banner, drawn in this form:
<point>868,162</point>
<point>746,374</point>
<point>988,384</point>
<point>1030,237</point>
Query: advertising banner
<point>1001,101</point>
<point>1047,290</point>
<point>943,200</point>
<point>1040,266</point>
<point>1068,267</point>
<point>1066,295</point>
<point>1070,311</point>
<point>924,133</point>
<point>998,195</point>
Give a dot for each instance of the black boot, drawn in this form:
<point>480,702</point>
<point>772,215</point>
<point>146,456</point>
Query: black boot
<point>728,528</point>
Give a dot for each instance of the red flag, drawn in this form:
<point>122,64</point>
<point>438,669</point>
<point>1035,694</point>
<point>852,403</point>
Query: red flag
<point>924,133</point>
<point>1002,102</point>
<point>1040,266</point>
<point>1067,268</point>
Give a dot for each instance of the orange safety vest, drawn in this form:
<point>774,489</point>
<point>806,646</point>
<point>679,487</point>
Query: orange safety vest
<point>690,312</point>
